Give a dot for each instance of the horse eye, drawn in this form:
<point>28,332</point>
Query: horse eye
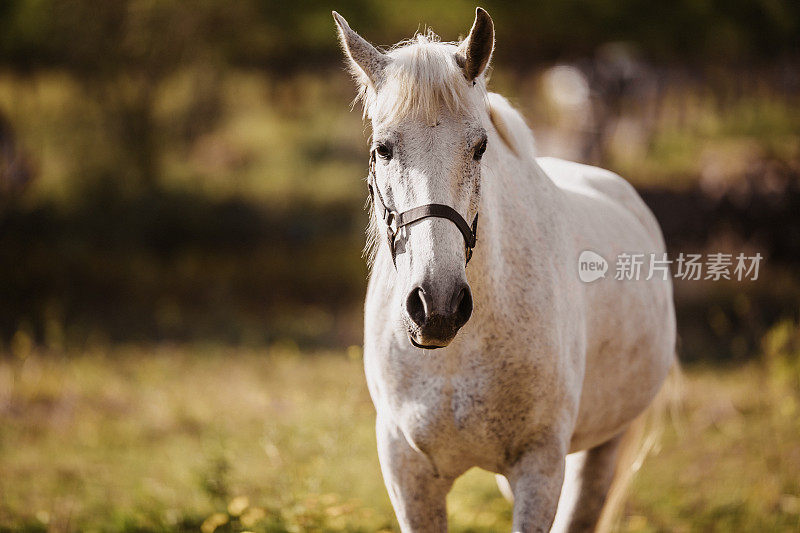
<point>384,151</point>
<point>479,151</point>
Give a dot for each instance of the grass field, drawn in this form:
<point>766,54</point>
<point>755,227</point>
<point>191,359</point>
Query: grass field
<point>210,437</point>
<point>236,219</point>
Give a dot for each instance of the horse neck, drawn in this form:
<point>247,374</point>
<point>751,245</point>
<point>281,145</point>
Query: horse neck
<point>514,191</point>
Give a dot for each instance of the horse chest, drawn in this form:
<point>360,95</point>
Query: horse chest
<point>470,417</point>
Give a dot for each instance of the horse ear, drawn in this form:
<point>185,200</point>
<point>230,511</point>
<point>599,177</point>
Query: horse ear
<point>365,58</point>
<point>475,51</point>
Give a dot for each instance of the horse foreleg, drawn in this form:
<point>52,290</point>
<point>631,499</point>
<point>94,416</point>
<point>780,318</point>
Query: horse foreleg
<point>536,481</point>
<point>418,493</point>
<point>588,477</point>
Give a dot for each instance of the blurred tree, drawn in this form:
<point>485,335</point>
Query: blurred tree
<point>153,72</point>
<point>91,37</point>
<point>15,170</point>
<point>122,52</point>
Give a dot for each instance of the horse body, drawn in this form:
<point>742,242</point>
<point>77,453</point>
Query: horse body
<point>546,365</point>
<point>542,349</point>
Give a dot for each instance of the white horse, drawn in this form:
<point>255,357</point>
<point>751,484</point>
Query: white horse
<point>547,373</point>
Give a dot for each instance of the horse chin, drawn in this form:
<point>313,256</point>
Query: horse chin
<point>427,344</point>
<point>419,338</point>
<point>424,346</point>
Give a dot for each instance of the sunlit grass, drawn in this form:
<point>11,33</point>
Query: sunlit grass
<point>732,464</point>
<point>284,139</point>
<point>276,140</point>
<point>699,139</point>
<point>280,140</point>
<point>158,438</point>
<point>190,437</point>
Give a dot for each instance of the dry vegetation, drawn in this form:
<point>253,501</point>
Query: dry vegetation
<point>187,437</point>
<point>217,204</point>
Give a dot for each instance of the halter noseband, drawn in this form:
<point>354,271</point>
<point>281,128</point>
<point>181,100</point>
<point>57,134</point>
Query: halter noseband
<point>394,220</point>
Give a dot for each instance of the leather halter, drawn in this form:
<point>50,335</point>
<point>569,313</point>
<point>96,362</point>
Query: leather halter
<point>394,220</point>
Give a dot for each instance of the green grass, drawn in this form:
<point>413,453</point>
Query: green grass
<point>278,140</point>
<point>183,437</point>
<point>733,466</point>
<point>710,143</point>
<point>275,141</point>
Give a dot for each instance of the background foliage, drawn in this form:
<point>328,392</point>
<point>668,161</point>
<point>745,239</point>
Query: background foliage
<point>181,219</point>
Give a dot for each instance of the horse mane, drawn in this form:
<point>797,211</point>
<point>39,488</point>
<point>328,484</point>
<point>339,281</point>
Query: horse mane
<point>422,78</point>
<point>372,243</point>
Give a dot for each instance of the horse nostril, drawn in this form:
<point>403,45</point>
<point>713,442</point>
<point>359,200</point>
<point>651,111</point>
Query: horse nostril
<point>416,306</point>
<point>462,308</point>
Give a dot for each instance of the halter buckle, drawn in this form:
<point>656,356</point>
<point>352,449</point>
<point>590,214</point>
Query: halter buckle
<point>391,221</point>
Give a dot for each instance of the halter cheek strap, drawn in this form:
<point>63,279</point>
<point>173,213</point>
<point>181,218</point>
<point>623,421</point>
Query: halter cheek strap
<point>394,220</point>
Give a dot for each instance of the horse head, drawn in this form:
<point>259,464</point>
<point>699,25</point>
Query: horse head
<point>426,101</point>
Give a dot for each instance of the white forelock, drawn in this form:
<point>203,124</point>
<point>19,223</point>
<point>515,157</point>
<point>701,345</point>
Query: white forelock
<point>421,80</point>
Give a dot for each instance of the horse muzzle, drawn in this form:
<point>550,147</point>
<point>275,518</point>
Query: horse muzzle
<point>433,324</point>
